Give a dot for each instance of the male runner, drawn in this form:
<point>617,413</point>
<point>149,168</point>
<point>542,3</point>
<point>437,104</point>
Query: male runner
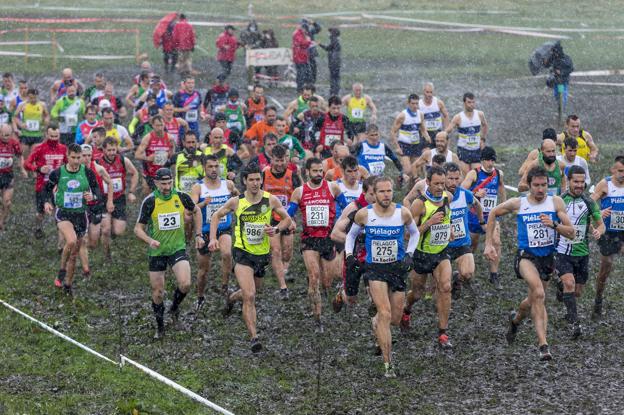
<point>426,158</point>
<point>371,154</point>
<point>234,111</point>
<point>610,192</point>
<point>296,152</point>
<point>187,102</point>
<point>69,188</point>
<point>117,131</point>
<point>432,213</point>
<point>299,105</point>
<point>69,111</point>
<point>45,158</point>
<point>572,260</point>
<point>30,119</point>
<point>539,217</point>
<point>260,129</point>
<point>356,103</point>
<point>387,260</point>
<point>229,162</point>
<point>118,168</point>
<point>256,105</point>
<point>547,159</point>
<point>548,133</point>
<point>486,183</point>
<point>587,148</point>
<point>155,150</point>
<point>9,150</point>
<point>472,130</point>
<point>253,210</point>
<point>187,164</point>
<point>408,132</point>
<point>434,111</point>
<point>281,182</point>
<point>161,226</point>
<point>176,127</point>
<point>570,158</point>
<point>331,126</point>
<point>83,130</point>
<point>210,195</point>
<point>317,201</point>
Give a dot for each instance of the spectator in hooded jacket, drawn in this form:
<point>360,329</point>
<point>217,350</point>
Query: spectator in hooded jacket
<point>184,40</point>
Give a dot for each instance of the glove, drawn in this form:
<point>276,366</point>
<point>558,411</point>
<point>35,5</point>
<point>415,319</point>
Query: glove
<point>353,264</point>
<point>406,263</point>
<point>352,276</point>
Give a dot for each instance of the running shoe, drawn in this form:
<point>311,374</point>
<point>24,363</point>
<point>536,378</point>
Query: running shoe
<point>444,342</point>
<point>577,331</point>
<point>513,328</point>
<point>284,293</point>
<point>320,329</point>
<point>199,305</point>
<point>544,353</point>
<point>456,286</point>
<point>256,346</point>
<point>228,306</point>
<point>495,281</point>
<point>67,289</point>
<point>86,274</point>
<point>406,318</point>
<point>159,333</point>
<point>58,282</point>
<point>39,233</point>
<point>389,370</point>
<point>597,309</point>
<point>337,302</point>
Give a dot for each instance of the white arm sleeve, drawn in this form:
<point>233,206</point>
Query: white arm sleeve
<point>351,237</point>
<point>414,237</point>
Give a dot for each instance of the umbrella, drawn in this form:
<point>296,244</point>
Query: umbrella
<point>540,58</point>
<point>161,28</point>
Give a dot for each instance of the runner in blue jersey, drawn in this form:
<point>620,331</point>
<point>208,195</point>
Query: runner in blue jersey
<point>486,183</point>
<point>187,103</point>
<point>209,195</point>
<point>610,193</point>
<point>539,218</point>
<point>387,260</point>
<point>459,248</point>
<point>371,153</point>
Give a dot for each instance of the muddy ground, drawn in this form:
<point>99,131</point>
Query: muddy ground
<point>300,372</point>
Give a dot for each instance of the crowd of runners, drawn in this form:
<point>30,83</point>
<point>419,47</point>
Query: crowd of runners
<point>318,170</point>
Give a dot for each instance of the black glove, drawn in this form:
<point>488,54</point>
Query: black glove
<point>352,276</point>
<point>406,263</point>
<point>352,263</point>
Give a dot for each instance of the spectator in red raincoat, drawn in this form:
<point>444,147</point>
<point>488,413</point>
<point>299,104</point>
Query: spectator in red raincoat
<point>226,50</point>
<point>170,54</point>
<point>184,40</point>
<point>301,43</point>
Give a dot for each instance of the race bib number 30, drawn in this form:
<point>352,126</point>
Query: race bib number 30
<point>539,235</point>
<point>254,233</point>
<point>384,251</point>
<point>617,220</point>
<point>440,234</point>
<point>317,215</point>
<point>169,221</point>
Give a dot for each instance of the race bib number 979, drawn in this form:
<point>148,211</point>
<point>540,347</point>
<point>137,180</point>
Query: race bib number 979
<point>440,234</point>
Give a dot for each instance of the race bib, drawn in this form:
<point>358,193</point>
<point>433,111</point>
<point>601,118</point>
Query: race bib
<point>283,199</point>
<point>331,138</point>
<point>117,183</point>
<point>579,234</point>
<point>440,234</point>
<point>238,125</point>
<point>409,137</point>
<point>376,168</point>
<point>317,216</point>
<point>254,233</point>
<point>168,221</point>
<point>433,124</point>
<point>617,220</point>
<point>258,117</point>
<point>458,228</point>
<point>473,142</point>
<point>489,202</point>
<point>210,210</point>
<point>4,118</point>
<point>6,162</point>
<point>357,113</point>
<point>539,235</point>
<point>385,251</point>
<point>32,125</point>
<point>72,200</point>
<point>187,182</point>
<point>191,115</point>
<point>71,120</point>
<point>160,158</point>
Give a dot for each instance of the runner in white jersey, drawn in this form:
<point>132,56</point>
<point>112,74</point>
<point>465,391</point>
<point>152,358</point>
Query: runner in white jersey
<point>408,133</point>
<point>426,158</point>
<point>569,158</point>
<point>434,111</point>
<point>472,130</point>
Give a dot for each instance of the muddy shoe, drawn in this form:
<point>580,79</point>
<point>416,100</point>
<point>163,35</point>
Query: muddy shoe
<point>513,328</point>
<point>59,280</point>
<point>444,342</point>
<point>597,313</point>
<point>228,306</point>
<point>284,294</point>
<point>456,286</point>
<point>577,331</point>
<point>160,333</point>
<point>495,281</point>
<point>337,303</point>
<point>256,346</point>
<point>389,370</point>
<point>320,329</point>
<point>559,285</point>
<point>199,305</point>
<point>406,318</point>
<point>175,316</point>
<point>544,353</point>
<point>68,291</point>
<point>39,233</point>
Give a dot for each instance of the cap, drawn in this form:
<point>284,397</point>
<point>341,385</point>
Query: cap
<point>86,147</point>
<point>233,93</point>
<point>104,104</point>
<point>229,26</point>
<point>488,153</point>
<point>219,116</point>
<point>549,133</point>
<point>163,174</point>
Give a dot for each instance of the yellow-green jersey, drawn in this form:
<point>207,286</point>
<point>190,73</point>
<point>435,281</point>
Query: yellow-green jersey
<point>188,170</point>
<point>221,154</point>
<point>356,108</point>
<point>250,222</point>
<point>435,239</point>
<point>164,217</point>
<point>32,118</point>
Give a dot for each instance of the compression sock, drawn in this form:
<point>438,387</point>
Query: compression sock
<point>159,312</point>
<point>570,302</point>
<point>178,296</point>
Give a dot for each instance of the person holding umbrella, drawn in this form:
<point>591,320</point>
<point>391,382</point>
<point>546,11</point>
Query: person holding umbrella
<point>163,37</point>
